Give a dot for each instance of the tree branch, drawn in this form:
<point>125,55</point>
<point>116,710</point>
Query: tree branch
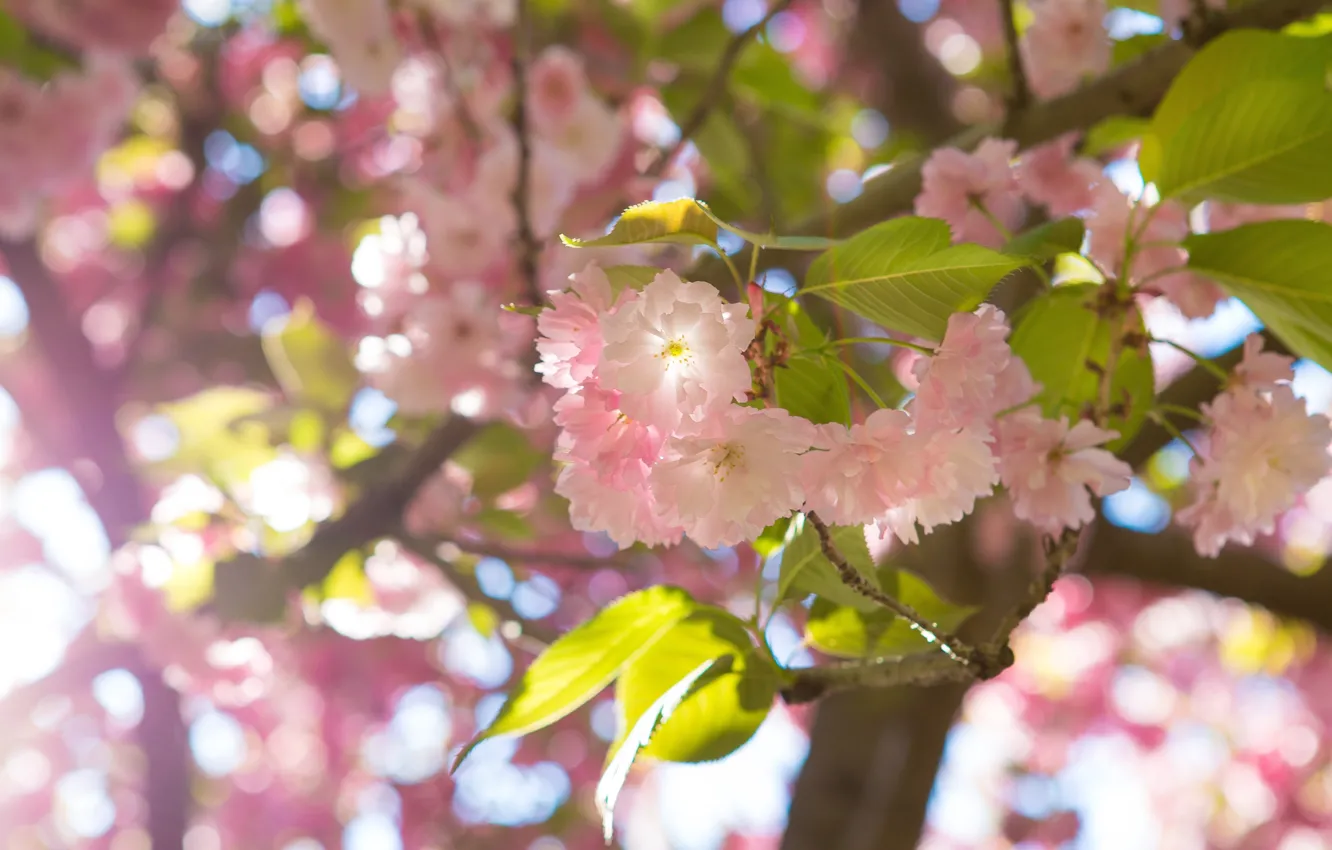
<point>1133,88</point>
<point>252,588</point>
<point>470,588</point>
<point>528,246</point>
<point>714,92</point>
<point>1169,559</point>
<point>958,653</point>
<point>1020,93</point>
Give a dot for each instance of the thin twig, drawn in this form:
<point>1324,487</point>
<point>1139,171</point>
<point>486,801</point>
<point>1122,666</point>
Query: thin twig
<point>470,588</point>
<point>1020,93</point>
<point>715,90</point>
<point>957,650</point>
<point>506,553</point>
<point>528,246</point>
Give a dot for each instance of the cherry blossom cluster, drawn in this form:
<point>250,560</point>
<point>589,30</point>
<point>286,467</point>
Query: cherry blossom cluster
<point>655,445</point>
<point>1263,450</point>
<point>51,133</point>
<point>981,192</point>
<point>433,277</point>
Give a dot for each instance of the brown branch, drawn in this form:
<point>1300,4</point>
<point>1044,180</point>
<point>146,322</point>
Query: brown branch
<point>1169,559</point>
<point>715,90</point>
<point>506,553</point>
<point>247,587</point>
<point>528,246</point>
<point>1020,94</point>
<point>971,660</point>
<point>1132,89</point>
<point>469,587</point>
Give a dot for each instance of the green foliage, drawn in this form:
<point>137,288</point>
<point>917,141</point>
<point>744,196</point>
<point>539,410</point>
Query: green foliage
<point>499,458</point>
<point>617,770</point>
<point>904,275</point>
<point>1283,271</point>
<point>30,58</point>
<point>855,632</point>
<point>772,538</point>
<point>217,434</point>
<point>1113,132</point>
<point>311,363</point>
<point>811,384</point>
<point>771,240</point>
<point>1128,49</point>
<point>717,716</point>
<point>1249,109</point>
<point>629,277</point>
<point>1049,240</point>
<point>585,660</point>
<point>1265,142</point>
<point>1065,338</point>
<point>805,570</point>
<point>656,221</point>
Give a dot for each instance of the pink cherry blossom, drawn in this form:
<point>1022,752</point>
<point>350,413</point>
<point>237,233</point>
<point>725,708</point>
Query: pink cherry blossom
<point>854,475</point>
<point>570,342</point>
<point>953,468</point>
<point>675,353</point>
<point>1066,43</point>
<point>1052,176</point>
<point>955,182</point>
<point>627,514</point>
<point>739,475</point>
<point>1050,468</point>
<point>360,35</point>
<point>390,266</point>
<point>1260,370</point>
<point>467,232</point>
<point>973,374</point>
<point>1223,216</point>
<point>1264,449</point>
<point>557,84</point>
<point>98,24</point>
<point>597,433</point>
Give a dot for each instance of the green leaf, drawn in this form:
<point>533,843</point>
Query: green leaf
<point>629,277</point>
<point>311,363</point>
<point>1113,132</point>
<point>905,276</point>
<point>1280,269</point>
<point>813,388</point>
<point>805,570</point>
<point>499,458</point>
<point>1132,47</point>
<point>772,538</point>
<point>765,240</point>
<point>717,717</point>
<point>580,664</point>
<point>1234,59</point>
<point>617,770</point>
<point>1265,142</point>
<point>1060,333</point>
<point>1061,236</point>
<point>850,632</point>
<point>656,221</point>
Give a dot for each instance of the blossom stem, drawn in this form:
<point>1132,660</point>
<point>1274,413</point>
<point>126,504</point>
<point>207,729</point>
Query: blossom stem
<point>1169,427</point>
<point>864,385</point>
<point>869,340</point>
<point>992,219</point>
<point>1179,409</point>
<point>958,651</point>
<point>1209,365</point>
<point>730,266</point>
